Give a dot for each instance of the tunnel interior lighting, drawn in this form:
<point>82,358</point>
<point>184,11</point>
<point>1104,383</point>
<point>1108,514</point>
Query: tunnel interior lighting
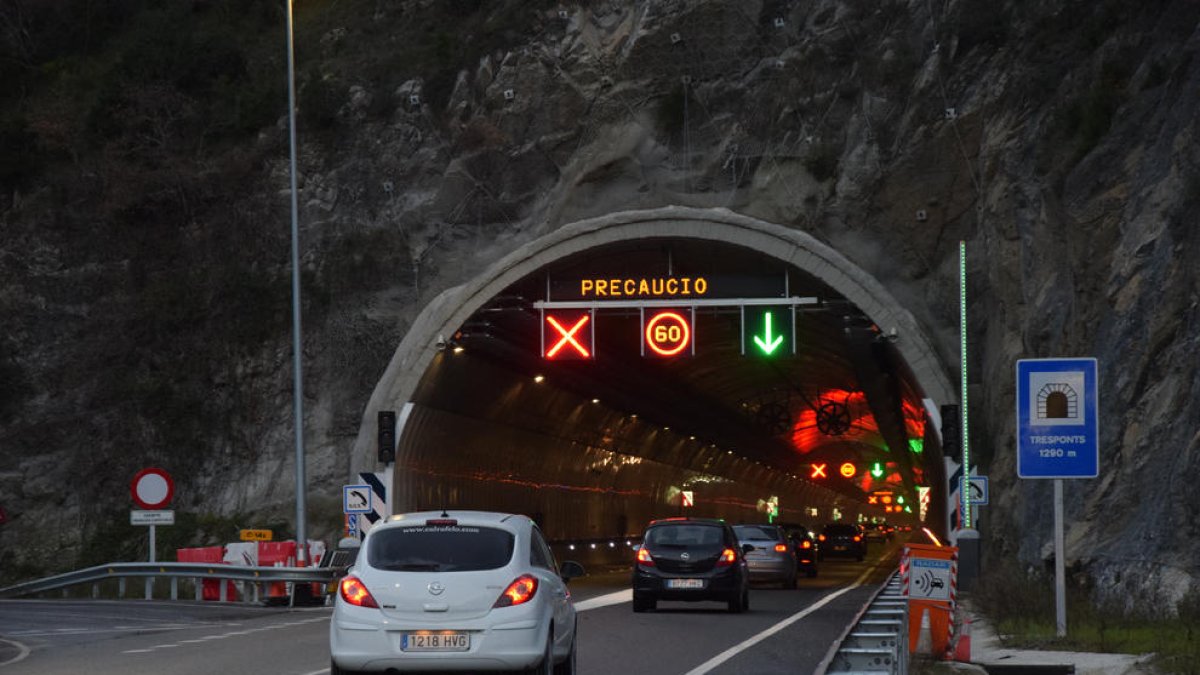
<point>539,378</point>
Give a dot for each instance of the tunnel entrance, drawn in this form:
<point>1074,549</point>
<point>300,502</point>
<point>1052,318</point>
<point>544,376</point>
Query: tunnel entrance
<point>657,363</point>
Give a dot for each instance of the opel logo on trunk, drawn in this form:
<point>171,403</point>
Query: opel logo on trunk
<point>684,555</point>
<point>436,588</point>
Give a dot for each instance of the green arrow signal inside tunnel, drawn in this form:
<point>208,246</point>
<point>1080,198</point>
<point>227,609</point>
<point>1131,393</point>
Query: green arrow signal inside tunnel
<point>767,343</point>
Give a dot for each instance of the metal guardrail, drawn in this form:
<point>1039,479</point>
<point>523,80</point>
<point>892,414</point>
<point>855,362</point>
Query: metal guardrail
<point>174,571</point>
<point>877,641</point>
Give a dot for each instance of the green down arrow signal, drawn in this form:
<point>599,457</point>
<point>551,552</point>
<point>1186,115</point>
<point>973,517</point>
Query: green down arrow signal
<point>766,343</point>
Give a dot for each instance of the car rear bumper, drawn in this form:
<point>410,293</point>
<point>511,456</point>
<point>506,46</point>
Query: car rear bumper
<point>721,584</point>
<point>843,551</point>
<point>511,646</point>
<point>771,570</point>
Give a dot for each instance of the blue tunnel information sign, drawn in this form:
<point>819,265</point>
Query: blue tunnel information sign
<point>1057,425</point>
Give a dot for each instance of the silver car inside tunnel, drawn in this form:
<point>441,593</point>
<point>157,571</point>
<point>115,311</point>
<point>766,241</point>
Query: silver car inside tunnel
<point>595,448</point>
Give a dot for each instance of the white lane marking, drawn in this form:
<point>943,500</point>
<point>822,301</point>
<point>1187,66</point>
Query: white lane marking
<point>22,652</point>
<point>733,651</point>
<point>97,631</point>
<point>605,600</point>
<point>318,672</point>
<point>204,638</point>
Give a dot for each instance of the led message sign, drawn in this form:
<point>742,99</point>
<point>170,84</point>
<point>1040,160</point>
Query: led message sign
<point>567,335</point>
<point>848,470</point>
<point>818,471</point>
<point>667,332</point>
<point>642,287</point>
<point>604,286</point>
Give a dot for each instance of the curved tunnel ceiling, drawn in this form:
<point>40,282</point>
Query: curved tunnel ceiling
<point>847,394</point>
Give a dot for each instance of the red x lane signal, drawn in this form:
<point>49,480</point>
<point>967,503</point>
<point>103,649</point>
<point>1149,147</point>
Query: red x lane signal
<point>818,471</point>
<point>567,335</point>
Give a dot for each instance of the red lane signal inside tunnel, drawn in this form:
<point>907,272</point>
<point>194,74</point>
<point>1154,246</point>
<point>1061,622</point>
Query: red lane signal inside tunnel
<point>567,335</point>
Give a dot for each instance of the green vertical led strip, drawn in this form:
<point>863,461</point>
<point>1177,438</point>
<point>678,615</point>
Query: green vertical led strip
<point>964,498</point>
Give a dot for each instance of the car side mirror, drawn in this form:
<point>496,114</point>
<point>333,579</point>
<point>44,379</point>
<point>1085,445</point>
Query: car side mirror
<point>746,548</point>
<point>570,570</point>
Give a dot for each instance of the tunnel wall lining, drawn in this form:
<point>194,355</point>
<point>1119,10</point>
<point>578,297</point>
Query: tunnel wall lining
<point>455,305</point>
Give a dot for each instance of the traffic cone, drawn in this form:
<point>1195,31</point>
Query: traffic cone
<point>962,648</point>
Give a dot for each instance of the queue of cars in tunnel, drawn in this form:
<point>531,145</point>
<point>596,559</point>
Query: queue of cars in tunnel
<point>482,591</point>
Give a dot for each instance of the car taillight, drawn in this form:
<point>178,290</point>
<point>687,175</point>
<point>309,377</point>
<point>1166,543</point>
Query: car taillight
<point>643,558</point>
<point>857,538</point>
<point>355,593</point>
<point>806,544</point>
<point>518,592</point>
<point>728,557</point>
<point>821,537</point>
<point>781,548</point>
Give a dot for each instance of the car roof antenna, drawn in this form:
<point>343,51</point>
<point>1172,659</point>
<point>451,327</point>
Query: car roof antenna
<point>444,514</point>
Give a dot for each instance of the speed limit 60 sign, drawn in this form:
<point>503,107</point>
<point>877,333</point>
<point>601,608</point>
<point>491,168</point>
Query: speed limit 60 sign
<point>667,332</point>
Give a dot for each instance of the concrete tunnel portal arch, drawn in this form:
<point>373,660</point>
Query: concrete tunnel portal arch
<point>592,450</point>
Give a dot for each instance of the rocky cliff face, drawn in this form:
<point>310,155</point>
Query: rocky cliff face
<point>145,290</point>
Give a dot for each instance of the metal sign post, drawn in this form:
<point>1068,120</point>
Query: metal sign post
<point>1058,436</point>
<point>152,488</point>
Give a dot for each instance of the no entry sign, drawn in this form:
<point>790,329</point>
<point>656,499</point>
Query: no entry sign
<point>152,488</point>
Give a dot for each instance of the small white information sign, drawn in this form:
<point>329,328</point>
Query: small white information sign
<point>356,498</point>
<point>162,517</point>
<point>929,579</point>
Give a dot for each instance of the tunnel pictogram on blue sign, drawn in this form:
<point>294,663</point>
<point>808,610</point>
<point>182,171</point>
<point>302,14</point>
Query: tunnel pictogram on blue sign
<point>1057,418</point>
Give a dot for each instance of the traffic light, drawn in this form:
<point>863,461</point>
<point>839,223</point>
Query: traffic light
<point>951,431</point>
<point>387,436</point>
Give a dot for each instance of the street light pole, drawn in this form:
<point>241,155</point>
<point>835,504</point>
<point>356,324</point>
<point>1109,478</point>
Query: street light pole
<point>297,373</point>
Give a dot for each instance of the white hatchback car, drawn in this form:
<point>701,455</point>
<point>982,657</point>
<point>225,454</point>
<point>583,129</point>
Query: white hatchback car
<point>460,590</point>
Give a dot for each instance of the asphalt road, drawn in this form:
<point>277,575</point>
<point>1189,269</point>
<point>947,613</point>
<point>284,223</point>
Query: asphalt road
<point>785,631</point>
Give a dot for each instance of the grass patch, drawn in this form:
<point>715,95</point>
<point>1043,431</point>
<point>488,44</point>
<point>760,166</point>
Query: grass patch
<point>1020,606</point>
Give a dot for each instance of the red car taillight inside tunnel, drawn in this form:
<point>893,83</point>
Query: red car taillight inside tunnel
<point>518,592</point>
<point>728,557</point>
<point>643,557</point>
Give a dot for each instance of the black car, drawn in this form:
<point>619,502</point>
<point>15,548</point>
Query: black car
<point>807,550</point>
<point>842,540</point>
<point>690,559</point>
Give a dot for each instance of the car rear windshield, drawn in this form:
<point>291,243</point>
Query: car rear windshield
<point>441,548</point>
<point>841,530</point>
<point>755,532</point>
<point>690,534</point>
